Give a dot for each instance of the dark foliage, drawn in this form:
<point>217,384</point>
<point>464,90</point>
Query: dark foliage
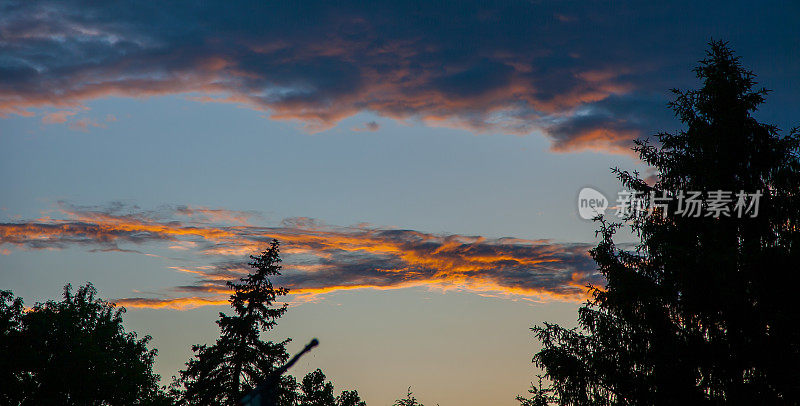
<point>540,396</point>
<point>409,400</point>
<point>703,311</point>
<point>73,352</point>
<point>315,391</point>
<point>220,374</point>
<point>240,360</point>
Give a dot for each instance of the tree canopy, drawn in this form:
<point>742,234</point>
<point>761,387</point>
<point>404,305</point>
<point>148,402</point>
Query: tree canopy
<point>409,400</point>
<point>73,352</point>
<point>222,373</point>
<point>315,390</point>
<point>240,360</point>
<point>702,310</point>
<point>76,352</point>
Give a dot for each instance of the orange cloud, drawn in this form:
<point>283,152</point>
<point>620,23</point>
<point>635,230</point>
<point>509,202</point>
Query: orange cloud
<point>182,303</point>
<point>319,259</point>
<point>58,117</point>
<point>599,139</point>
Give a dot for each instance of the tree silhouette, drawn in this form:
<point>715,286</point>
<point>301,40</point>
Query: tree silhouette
<point>73,352</point>
<point>12,337</point>
<point>409,400</point>
<point>350,398</point>
<point>702,310</point>
<point>222,373</point>
<point>315,391</point>
<point>540,396</point>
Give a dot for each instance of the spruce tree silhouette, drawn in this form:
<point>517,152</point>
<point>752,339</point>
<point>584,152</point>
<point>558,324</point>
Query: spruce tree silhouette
<point>540,395</point>
<point>703,310</point>
<point>222,373</point>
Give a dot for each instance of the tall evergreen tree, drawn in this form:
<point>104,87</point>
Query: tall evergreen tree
<point>703,310</point>
<point>222,373</point>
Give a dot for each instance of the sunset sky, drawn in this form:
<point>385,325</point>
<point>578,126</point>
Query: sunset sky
<point>418,161</point>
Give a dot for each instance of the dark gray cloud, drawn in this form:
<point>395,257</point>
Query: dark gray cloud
<point>369,126</point>
<point>512,66</point>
